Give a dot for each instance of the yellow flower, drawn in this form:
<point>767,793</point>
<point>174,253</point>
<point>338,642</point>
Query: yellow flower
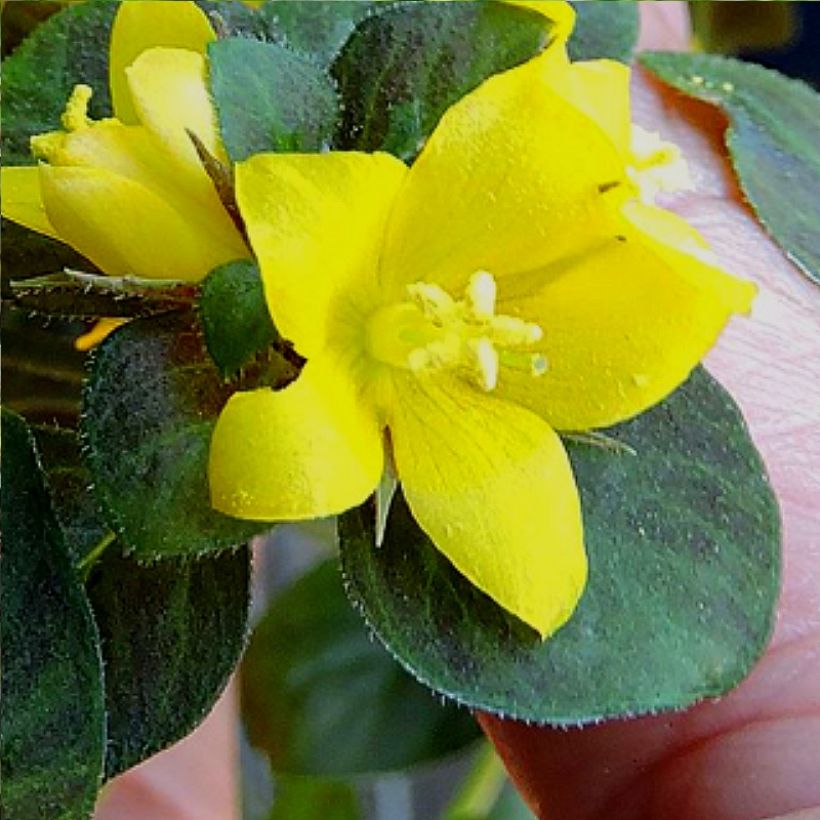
<point>455,314</point>
<point>130,193</point>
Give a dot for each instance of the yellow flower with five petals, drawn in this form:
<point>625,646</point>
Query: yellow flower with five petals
<point>513,282</point>
<point>130,193</point>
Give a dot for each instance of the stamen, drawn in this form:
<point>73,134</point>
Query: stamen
<point>509,331</point>
<point>434,332</point>
<point>485,362</point>
<point>481,294</point>
<point>436,304</point>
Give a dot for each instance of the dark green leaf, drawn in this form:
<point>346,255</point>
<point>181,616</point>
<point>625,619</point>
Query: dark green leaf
<point>312,674</point>
<point>171,634</point>
<point>400,70</point>
<point>25,254</point>
<point>42,372</point>
<point>69,483</point>
<point>151,402</point>
<point>607,29</point>
<point>316,29</point>
<point>773,140</point>
<point>52,727</point>
<point>235,315</point>
<point>268,98</point>
<point>69,48</point>
<point>73,293</point>
<point>683,543</point>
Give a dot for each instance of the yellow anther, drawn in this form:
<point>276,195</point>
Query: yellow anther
<point>509,331</point>
<point>75,117</point>
<point>657,165</point>
<point>436,304</point>
<point>485,362</point>
<point>481,292</point>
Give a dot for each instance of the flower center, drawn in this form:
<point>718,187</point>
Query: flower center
<point>431,332</point>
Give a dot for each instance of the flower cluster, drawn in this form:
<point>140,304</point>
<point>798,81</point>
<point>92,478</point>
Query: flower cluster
<point>514,282</point>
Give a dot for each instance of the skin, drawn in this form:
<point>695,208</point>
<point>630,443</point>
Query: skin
<point>753,753</point>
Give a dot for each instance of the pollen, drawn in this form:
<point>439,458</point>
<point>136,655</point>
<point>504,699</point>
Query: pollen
<point>433,332</point>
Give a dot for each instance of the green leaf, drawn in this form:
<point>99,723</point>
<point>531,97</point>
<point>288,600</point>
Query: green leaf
<point>172,633</point>
<point>25,254</point>
<point>316,29</point>
<point>151,402</point>
<point>69,48</point>
<point>607,29</point>
<point>313,675</point>
<point>74,293</point>
<point>268,98</point>
<point>683,542</point>
<point>235,315</point>
<point>772,139</point>
<point>52,727</point>
<point>400,70</point>
<point>69,484</point>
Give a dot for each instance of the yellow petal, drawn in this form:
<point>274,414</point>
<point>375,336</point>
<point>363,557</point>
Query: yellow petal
<point>313,449</point>
<point>139,26</point>
<point>22,201</point>
<point>102,328</point>
<point>132,152</point>
<point>677,243</point>
<point>508,182</point>
<point>316,223</point>
<point>600,88</point>
<point>123,227</point>
<point>623,327</point>
<point>170,94</point>
<point>491,485</point>
<point>561,14</point>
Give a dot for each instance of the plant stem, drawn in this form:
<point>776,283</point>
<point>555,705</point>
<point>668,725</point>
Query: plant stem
<point>86,563</point>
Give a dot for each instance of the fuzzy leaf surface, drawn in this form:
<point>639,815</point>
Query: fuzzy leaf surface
<point>151,402</point>
<point>52,727</point>
<point>684,549</point>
